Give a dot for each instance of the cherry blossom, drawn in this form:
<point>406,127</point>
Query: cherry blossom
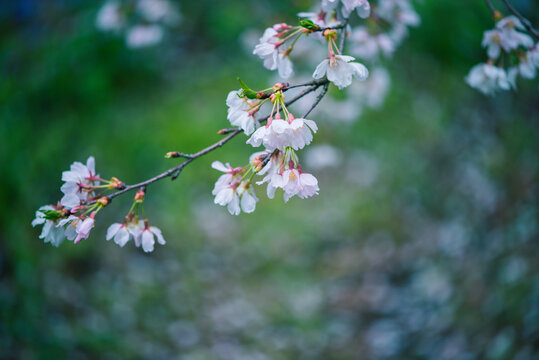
<point>296,182</point>
<point>293,181</point>
<point>321,18</point>
<point>340,70</point>
<point>148,236</point>
<point>505,36</point>
<point>279,133</point>
<point>488,79</point>
<point>283,171</point>
<point>158,11</point>
<point>400,15</point>
<point>50,233</point>
<point>241,111</point>
<point>369,46</point>
<point>110,17</point>
<point>78,182</point>
<point>144,35</point>
<point>361,6</point>
<point>84,228</point>
<point>269,50</point>
<point>77,228</point>
<point>119,232</point>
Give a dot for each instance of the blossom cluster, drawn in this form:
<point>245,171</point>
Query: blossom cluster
<point>511,53</point>
<point>142,22</point>
<point>282,135</point>
<point>73,217</point>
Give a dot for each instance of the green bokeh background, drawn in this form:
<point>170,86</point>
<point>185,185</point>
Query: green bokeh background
<point>436,258</point>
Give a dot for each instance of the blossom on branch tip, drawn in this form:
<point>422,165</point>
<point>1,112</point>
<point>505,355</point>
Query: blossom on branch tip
<point>269,50</point>
<point>505,36</point>
<point>340,70</point>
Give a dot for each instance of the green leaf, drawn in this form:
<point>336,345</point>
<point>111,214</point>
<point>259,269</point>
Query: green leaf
<point>247,92</point>
<point>51,214</point>
<point>308,24</point>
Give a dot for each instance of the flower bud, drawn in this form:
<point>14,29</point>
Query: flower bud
<point>279,86</point>
<point>104,201</point>
<point>172,154</point>
<point>115,183</point>
<point>139,196</point>
<point>330,34</point>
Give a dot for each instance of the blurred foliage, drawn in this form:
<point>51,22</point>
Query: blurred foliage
<point>422,244</point>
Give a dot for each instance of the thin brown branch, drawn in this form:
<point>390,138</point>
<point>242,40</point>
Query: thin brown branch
<point>318,99</point>
<point>524,21</point>
<point>175,171</point>
<point>491,8</point>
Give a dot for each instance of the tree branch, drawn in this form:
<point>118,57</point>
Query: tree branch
<point>318,99</point>
<point>491,7</point>
<point>175,171</point>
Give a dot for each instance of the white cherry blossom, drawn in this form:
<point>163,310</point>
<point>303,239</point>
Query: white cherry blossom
<point>231,192</point>
<point>148,236</point>
<point>361,6</point>
<point>110,17</point>
<point>279,133</point>
<point>340,70</point>
<point>320,18</point>
<point>158,10</point>
<point>240,112</point>
<point>77,228</point>
<point>400,14</point>
<point>76,180</point>
<point>119,232</point>
<point>144,35</point>
<point>505,36</point>
<point>230,176</point>
<point>296,182</point>
<point>370,46</point>
<point>274,58</point>
<point>84,228</point>
<point>293,182</point>
<point>50,233</point>
<point>488,78</point>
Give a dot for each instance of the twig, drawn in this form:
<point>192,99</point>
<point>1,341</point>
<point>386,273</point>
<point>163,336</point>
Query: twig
<point>336,27</point>
<point>343,35</point>
<point>318,99</point>
<point>175,171</point>
<point>525,21</point>
<point>491,8</point>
